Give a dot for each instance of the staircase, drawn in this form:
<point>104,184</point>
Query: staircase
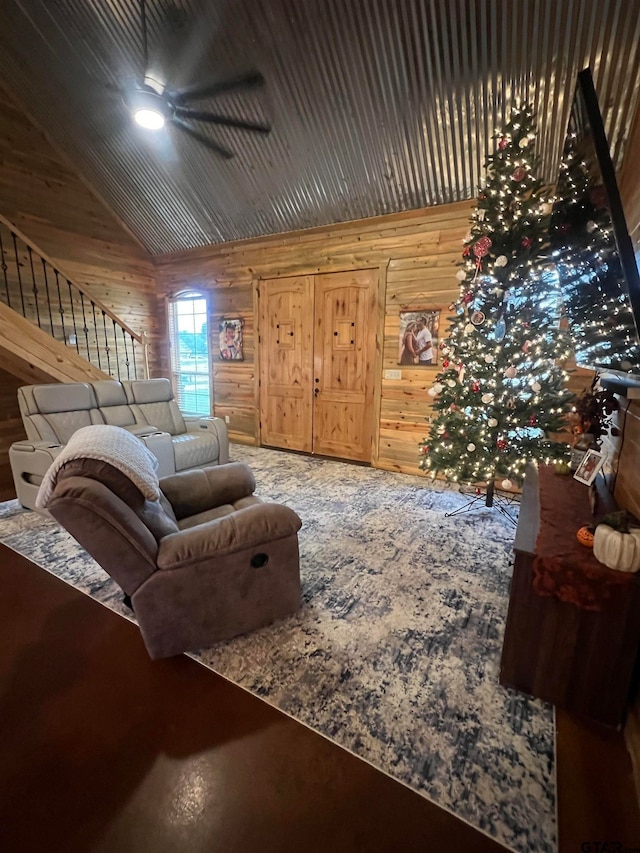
<point>51,328</point>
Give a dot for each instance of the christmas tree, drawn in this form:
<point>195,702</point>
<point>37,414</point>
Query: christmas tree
<point>501,392</point>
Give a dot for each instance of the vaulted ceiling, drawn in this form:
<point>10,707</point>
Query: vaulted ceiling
<point>375,105</point>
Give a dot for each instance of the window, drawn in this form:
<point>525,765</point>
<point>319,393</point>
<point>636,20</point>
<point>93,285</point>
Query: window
<point>189,342</point>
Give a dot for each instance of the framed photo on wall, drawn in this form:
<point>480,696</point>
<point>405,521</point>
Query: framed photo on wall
<point>230,339</point>
<point>587,470</point>
<point>419,334</point>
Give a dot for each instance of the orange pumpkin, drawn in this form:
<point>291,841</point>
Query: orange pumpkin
<point>585,536</point>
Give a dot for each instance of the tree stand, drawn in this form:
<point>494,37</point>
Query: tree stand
<point>491,499</point>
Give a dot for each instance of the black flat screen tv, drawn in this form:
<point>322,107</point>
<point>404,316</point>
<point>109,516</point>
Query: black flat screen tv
<point>591,246</point>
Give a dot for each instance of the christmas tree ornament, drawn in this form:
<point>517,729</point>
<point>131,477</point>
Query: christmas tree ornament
<point>467,298</point>
<point>492,422</point>
<point>525,346</point>
<point>511,403</point>
<point>487,398</point>
<point>591,226</point>
<point>501,261</point>
<point>536,386</point>
<point>438,387</point>
<point>461,374</point>
<point>461,275</point>
<point>519,174</point>
<point>526,242</point>
<point>500,330</point>
<point>432,391</point>
<point>477,318</point>
<point>440,429</point>
<point>511,372</point>
<point>533,420</point>
<point>445,363</point>
<point>451,383</point>
<point>471,447</point>
<point>475,387</point>
<point>523,142</point>
<point>501,444</point>
<point>489,359</point>
<point>481,214</point>
<point>506,485</point>
<point>469,328</point>
<point>481,247</point>
<point>503,143</point>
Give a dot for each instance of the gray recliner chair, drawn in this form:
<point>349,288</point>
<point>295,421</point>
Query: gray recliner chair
<point>207,562</point>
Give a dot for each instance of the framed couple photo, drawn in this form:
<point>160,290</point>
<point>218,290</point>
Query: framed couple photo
<point>588,469</point>
<point>419,337</point>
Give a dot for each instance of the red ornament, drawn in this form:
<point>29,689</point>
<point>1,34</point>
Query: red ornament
<point>526,242</point>
<point>501,443</point>
<point>478,491</point>
<point>446,435</point>
<point>481,247</point>
<point>467,298</point>
<point>519,174</point>
<point>445,363</point>
<point>442,345</point>
<point>533,420</point>
<point>475,386</point>
<point>452,407</point>
<point>525,346</point>
<point>465,252</point>
<point>503,143</point>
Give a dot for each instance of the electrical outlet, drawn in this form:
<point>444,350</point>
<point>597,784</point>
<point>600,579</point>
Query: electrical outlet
<point>227,419</point>
<point>393,374</point>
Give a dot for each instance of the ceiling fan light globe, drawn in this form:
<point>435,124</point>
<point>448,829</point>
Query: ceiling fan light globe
<point>148,118</point>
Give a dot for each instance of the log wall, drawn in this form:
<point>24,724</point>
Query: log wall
<point>416,253</point>
<point>44,197</point>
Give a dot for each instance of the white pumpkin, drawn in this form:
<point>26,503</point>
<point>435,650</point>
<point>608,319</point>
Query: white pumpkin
<point>620,551</point>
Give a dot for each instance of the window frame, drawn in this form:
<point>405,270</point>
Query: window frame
<point>191,293</point>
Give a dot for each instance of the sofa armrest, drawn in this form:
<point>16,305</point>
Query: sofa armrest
<point>190,492</point>
<point>216,426</point>
<point>51,447</point>
<point>30,461</point>
<point>140,430</point>
<point>160,444</point>
<point>247,528</point>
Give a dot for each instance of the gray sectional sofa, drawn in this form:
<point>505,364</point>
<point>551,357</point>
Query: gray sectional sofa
<point>144,407</point>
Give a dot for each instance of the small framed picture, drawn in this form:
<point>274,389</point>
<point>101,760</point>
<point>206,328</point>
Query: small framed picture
<point>588,469</point>
<point>419,334</point>
<point>230,339</point>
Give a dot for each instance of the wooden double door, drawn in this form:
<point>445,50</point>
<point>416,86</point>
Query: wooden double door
<point>317,340</point>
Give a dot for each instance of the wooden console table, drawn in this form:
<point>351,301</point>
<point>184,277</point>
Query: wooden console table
<point>579,659</point>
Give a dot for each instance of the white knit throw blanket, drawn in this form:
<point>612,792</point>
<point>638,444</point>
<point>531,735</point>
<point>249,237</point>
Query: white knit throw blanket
<point>110,444</point>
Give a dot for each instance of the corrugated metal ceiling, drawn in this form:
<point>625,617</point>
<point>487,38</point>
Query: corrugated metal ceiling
<point>376,105</point>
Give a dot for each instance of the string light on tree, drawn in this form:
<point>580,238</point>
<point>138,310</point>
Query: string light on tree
<point>501,392</point>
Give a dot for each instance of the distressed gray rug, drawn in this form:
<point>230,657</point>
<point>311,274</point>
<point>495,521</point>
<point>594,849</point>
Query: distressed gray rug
<point>395,652</point>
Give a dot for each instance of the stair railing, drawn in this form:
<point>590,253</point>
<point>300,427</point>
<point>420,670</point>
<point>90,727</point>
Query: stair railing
<point>32,284</point>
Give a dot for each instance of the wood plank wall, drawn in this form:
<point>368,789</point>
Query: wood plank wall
<point>417,252</point>
<point>43,196</point>
<point>11,429</point>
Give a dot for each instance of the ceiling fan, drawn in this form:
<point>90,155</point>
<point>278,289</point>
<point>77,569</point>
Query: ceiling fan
<point>152,105</point>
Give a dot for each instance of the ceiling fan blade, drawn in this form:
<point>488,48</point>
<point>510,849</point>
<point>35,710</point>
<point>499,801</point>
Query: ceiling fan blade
<point>200,137</point>
<point>225,121</point>
<point>210,90</point>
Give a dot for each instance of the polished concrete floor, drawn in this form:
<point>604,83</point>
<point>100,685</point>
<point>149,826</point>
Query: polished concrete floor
<point>102,749</point>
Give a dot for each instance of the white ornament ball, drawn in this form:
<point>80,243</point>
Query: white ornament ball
<point>506,484</point>
<point>591,226</point>
<point>489,359</point>
<point>438,387</point>
<point>440,429</point>
<point>501,261</point>
<point>469,328</point>
<point>536,386</point>
<point>511,371</point>
<point>523,142</point>
<point>493,422</point>
<point>451,383</point>
<point>461,275</point>
<point>487,398</point>
<point>471,447</point>
<point>432,392</point>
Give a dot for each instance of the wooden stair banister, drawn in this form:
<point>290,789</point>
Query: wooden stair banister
<point>82,323</point>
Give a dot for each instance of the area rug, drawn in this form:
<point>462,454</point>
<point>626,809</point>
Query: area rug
<point>395,653</point>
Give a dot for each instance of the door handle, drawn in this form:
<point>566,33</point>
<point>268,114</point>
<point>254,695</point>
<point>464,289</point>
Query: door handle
<point>316,391</point>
